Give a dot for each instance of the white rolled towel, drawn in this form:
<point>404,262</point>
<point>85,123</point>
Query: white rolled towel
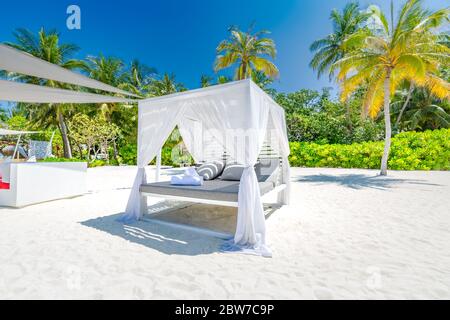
<point>189,178</point>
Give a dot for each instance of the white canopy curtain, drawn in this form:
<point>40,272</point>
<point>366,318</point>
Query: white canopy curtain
<point>233,115</point>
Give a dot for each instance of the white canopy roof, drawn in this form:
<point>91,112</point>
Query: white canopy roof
<point>22,92</point>
<point>14,60</point>
<point>238,117</point>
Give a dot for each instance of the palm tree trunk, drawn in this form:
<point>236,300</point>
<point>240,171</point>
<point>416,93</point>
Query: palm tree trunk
<point>408,97</point>
<point>387,120</point>
<point>64,135</point>
<point>244,71</point>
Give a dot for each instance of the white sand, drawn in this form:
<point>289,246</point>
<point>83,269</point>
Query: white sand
<point>347,234</point>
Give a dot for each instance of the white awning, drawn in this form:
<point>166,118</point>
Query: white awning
<point>14,60</point>
<point>6,132</point>
<point>30,93</point>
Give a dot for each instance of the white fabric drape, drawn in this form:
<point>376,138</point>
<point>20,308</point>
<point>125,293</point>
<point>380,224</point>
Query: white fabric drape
<point>251,224</point>
<point>231,118</point>
<point>30,93</point>
<point>14,60</point>
<point>279,123</point>
<point>154,126</point>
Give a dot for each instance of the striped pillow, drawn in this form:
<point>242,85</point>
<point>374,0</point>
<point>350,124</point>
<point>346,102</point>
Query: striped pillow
<point>211,170</point>
<point>233,172</point>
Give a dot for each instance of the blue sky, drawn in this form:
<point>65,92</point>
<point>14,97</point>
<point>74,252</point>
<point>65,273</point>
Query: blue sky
<point>181,36</point>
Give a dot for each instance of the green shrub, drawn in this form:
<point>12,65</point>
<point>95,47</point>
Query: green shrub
<point>128,154</point>
<point>429,150</point>
<point>97,163</point>
<point>93,164</point>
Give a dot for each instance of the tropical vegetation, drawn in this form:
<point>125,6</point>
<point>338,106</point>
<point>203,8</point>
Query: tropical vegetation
<point>393,78</point>
<point>428,150</point>
<point>382,56</point>
<point>249,52</point>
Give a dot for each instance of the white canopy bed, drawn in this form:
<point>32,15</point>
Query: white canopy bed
<point>240,118</point>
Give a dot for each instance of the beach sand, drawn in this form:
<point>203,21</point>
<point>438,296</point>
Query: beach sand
<point>348,234</point>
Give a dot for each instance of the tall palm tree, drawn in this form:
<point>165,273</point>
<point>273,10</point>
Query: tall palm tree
<point>249,52</point>
<point>330,49</point>
<point>46,46</point>
<point>140,75</point>
<point>384,55</point>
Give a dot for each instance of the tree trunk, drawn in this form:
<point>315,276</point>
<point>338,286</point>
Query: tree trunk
<point>80,150</point>
<point>115,151</point>
<point>64,135</point>
<point>408,97</point>
<point>387,120</point>
<point>244,71</point>
<point>347,114</point>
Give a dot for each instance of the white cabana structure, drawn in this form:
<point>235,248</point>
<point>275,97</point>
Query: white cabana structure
<point>237,118</point>
<point>16,61</point>
<point>19,134</point>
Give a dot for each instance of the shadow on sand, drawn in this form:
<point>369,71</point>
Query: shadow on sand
<point>360,181</point>
<point>165,239</point>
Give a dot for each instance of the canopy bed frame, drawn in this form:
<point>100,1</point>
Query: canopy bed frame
<point>238,119</point>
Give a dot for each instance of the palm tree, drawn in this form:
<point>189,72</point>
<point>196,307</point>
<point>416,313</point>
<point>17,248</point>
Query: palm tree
<point>166,85</point>
<point>426,112</point>
<point>382,56</point>
<point>46,46</point>
<point>223,79</point>
<point>140,76</point>
<point>330,49</point>
<point>408,95</point>
<point>205,81</point>
<point>261,79</point>
<point>249,52</point>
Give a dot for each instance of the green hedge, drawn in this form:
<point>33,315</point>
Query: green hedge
<point>429,150</point>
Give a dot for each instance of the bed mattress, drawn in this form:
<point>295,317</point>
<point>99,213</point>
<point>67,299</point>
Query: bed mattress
<point>219,190</point>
